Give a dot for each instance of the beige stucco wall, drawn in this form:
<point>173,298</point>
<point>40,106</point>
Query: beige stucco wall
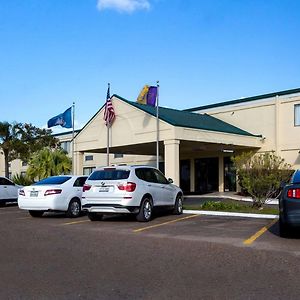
<point>273,118</point>
<point>131,126</point>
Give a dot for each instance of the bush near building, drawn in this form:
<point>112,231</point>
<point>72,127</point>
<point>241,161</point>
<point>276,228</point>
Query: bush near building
<point>261,175</point>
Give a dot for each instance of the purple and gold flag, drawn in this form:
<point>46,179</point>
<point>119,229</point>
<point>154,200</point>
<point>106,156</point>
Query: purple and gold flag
<point>148,95</point>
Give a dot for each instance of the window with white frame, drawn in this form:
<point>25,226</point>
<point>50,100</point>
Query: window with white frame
<point>297,115</point>
<point>88,170</point>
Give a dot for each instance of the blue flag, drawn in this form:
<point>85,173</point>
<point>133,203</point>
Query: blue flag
<point>64,119</point>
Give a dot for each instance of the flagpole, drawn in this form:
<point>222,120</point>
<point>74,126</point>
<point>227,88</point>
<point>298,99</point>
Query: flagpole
<point>73,144</point>
<point>157,127</point>
<point>107,145</point>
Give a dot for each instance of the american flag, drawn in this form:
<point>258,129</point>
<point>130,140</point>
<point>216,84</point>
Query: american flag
<point>109,112</point>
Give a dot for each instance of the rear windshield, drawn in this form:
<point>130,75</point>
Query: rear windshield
<point>296,177</point>
<point>53,180</point>
<point>109,174</point>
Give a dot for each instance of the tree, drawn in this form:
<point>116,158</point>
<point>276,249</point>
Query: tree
<point>261,175</point>
<point>49,162</point>
<point>18,140</point>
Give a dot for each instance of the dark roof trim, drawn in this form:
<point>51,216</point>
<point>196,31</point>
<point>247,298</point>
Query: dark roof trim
<point>189,119</point>
<point>248,99</point>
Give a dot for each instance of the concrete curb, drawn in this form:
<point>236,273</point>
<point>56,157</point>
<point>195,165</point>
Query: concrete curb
<point>229,214</point>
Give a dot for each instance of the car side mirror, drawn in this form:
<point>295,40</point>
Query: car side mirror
<point>170,180</point>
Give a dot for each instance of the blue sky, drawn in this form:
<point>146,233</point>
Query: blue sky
<point>54,52</point>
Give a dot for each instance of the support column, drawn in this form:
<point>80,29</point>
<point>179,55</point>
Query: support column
<point>221,174</point>
<point>172,160</point>
<point>78,163</point>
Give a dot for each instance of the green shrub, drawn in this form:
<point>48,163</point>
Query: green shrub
<point>260,175</point>
<point>21,179</point>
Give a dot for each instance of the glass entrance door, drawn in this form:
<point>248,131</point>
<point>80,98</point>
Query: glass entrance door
<point>206,175</point>
<point>229,175</point>
<point>185,177</point>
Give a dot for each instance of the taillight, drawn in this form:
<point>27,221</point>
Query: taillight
<point>86,187</point>
<point>293,193</point>
<point>128,186</point>
<point>53,192</point>
<point>21,193</point>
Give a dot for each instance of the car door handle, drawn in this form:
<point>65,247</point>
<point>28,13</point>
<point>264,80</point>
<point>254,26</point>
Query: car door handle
<point>5,187</point>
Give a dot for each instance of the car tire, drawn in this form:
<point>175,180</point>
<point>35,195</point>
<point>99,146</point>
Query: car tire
<point>146,210</point>
<point>36,213</point>
<point>94,216</point>
<point>74,209</point>
<point>178,207</point>
<point>283,229</point>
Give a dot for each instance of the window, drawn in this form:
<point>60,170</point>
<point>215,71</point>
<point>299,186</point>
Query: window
<point>160,177</point>
<point>53,180</point>
<point>297,115</point>
<point>66,146</point>
<point>110,174</point>
<point>89,157</point>
<point>4,181</point>
<point>146,174</point>
<point>24,164</point>
<point>117,155</point>
<point>79,182</point>
<point>88,170</point>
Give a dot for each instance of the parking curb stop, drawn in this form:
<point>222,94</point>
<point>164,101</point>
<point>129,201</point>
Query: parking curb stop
<point>230,214</point>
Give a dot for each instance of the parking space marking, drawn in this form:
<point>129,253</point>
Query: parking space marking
<point>165,223</point>
<point>252,238</point>
<point>75,222</point>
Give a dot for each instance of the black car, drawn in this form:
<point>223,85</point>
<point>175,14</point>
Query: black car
<point>289,206</point>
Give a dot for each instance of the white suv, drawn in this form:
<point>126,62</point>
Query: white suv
<point>129,189</point>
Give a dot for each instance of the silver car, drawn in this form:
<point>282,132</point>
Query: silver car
<point>8,191</point>
<point>129,189</point>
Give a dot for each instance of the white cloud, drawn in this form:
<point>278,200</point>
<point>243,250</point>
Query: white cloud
<point>128,6</point>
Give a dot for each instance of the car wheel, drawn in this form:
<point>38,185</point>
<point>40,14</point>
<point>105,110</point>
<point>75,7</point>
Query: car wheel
<point>95,216</point>
<point>283,229</point>
<point>74,208</point>
<point>146,210</point>
<point>178,207</point>
<point>36,213</point>
<point>2,203</point>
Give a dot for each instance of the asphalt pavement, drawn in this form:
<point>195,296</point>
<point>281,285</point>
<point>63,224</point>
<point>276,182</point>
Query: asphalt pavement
<point>171,257</point>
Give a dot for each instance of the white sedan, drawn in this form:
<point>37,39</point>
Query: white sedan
<point>8,191</point>
<point>55,193</point>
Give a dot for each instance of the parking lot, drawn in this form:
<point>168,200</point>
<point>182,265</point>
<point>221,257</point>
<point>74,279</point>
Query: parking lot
<point>187,256</point>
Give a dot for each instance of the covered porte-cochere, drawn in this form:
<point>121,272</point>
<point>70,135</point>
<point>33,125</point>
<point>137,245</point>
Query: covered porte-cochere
<point>194,149</point>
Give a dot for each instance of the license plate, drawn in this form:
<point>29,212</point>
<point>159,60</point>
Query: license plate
<point>34,193</point>
<point>104,189</point>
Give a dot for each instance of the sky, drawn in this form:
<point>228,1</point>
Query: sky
<point>56,52</point>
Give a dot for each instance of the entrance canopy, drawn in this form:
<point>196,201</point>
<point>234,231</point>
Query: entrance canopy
<point>134,131</point>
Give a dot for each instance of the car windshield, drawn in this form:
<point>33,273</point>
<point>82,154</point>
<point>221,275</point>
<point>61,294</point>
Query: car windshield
<point>53,180</point>
<point>109,174</point>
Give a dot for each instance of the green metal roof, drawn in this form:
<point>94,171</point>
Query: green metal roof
<point>237,101</point>
<point>189,119</point>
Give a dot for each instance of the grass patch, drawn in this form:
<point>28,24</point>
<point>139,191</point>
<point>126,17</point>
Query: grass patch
<point>231,206</point>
